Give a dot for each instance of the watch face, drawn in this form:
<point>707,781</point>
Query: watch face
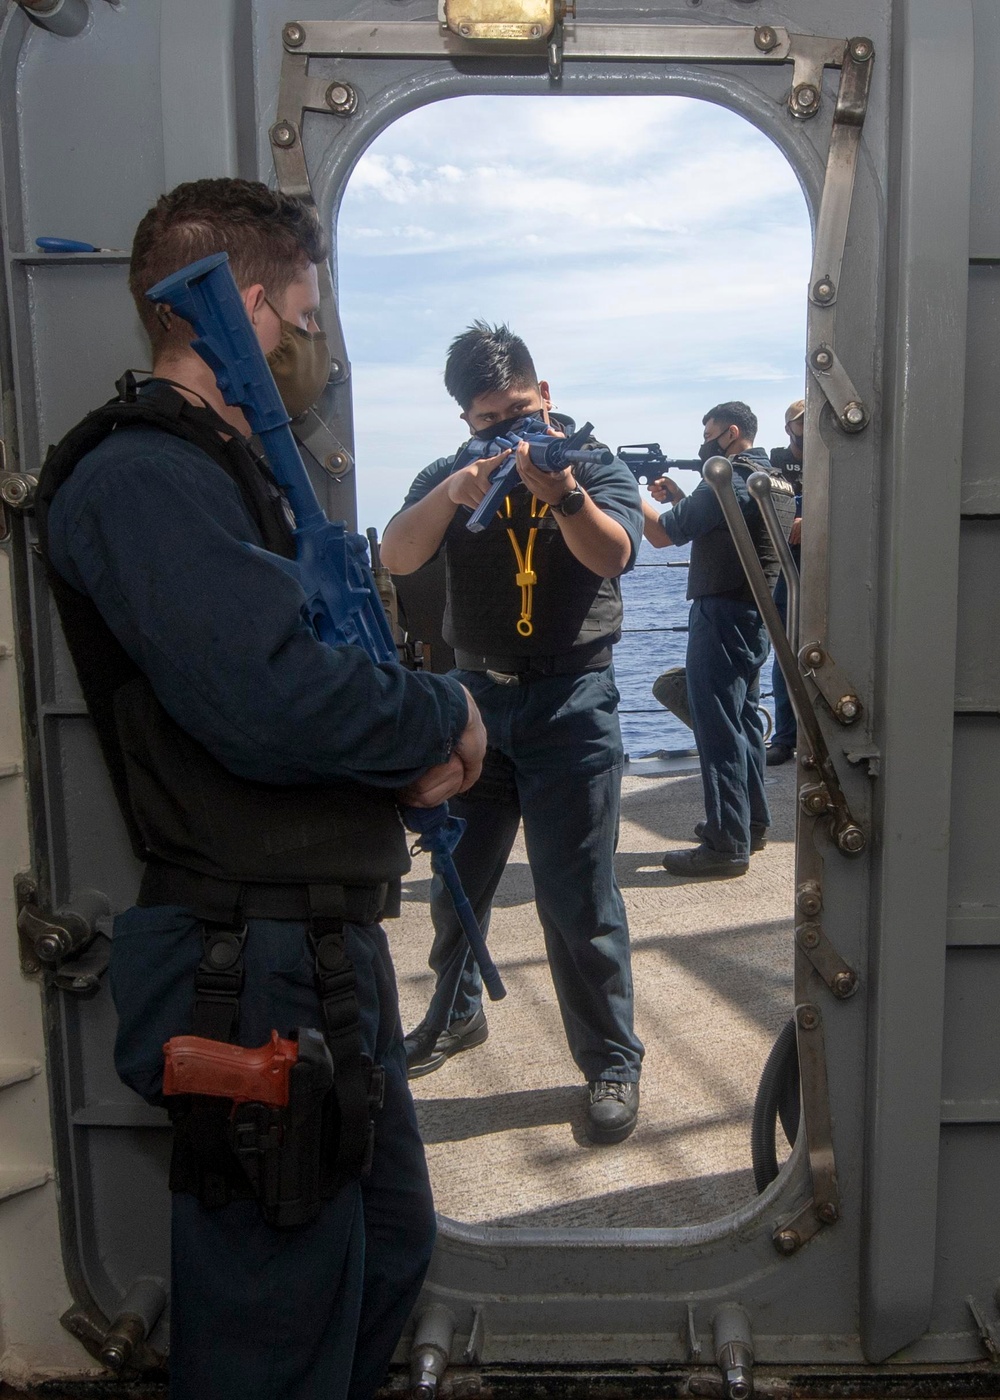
<point>572,502</point>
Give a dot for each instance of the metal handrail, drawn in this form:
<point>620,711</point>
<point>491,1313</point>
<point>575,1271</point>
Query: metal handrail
<point>827,796</point>
<point>759,486</point>
<point>639,631</point>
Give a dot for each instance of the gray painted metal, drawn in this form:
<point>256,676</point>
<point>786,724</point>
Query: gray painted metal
<point>159,92</point>
<point>922,438</point>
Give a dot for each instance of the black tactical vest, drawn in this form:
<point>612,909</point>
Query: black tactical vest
<point>787,466</point>
<point>715,567</point>
<point>181,806</point>
<point>571,606</point>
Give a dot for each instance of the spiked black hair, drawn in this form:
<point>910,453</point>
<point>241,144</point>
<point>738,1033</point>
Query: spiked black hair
<point>486,360</point>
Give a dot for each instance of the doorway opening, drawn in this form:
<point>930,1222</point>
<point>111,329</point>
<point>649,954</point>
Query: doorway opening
<point>653,253</point>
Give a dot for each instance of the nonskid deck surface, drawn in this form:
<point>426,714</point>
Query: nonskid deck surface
<point>712,966</point>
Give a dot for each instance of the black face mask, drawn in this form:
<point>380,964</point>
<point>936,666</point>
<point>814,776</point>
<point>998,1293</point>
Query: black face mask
<point>498,430</point>
<point>710,449</point>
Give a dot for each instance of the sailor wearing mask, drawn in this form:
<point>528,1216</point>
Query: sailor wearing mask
<point>259,772</point>
<point>727,644</point>
<point>533,609</point>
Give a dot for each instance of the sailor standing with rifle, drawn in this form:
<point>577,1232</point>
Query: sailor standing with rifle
<point>259,771</point>
<point>534,541</point>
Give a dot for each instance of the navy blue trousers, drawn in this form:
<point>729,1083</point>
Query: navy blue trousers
<point>259,1313</point>
<point>555,760</point>
<point>727,646</point>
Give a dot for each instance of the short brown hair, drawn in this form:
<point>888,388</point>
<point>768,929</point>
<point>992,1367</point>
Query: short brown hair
<point>270,237</point>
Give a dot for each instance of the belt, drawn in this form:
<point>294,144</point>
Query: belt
<point>511,670</point>
<point>225,901</point>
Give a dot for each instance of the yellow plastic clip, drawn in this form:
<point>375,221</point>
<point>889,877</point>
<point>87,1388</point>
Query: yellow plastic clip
<point>527,579</point>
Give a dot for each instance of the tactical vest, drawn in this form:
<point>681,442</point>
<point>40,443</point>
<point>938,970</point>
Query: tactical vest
<point>194,822</point>
<point>571,606</point>
<point>787,466</point>
<point>715,567</point>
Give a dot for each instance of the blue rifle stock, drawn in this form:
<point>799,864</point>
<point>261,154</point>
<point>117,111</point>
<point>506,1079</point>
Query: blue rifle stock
<point>331,563</point>
<point>549,454</point>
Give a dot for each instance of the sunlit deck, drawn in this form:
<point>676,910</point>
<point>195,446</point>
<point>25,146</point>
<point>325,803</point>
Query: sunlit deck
<point>712,964</point>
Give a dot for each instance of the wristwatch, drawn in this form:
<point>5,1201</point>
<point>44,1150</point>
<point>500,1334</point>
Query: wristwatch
<point>573,501</point>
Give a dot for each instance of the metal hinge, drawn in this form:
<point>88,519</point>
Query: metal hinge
<point>73,942</point>
<point>824,1206</point>
<point>17,491</point>
<point>841,697</point>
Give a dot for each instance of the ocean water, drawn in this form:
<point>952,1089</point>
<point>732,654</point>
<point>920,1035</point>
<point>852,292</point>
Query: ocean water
<point>653,596</point>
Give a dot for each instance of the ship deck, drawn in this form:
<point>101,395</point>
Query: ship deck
<point>712,967</point>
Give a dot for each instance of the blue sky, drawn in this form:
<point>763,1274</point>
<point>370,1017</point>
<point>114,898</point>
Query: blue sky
<point>653,252</point>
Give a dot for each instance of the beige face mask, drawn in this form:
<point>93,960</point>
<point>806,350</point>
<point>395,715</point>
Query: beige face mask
<point>300,363</point>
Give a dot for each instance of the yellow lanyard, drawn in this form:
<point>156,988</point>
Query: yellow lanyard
<point>525,578</point>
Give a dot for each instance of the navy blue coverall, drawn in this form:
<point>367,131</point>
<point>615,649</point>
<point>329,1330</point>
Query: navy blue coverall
<point>555,760</point>
<point>727,646</point>
<point>156,534</point>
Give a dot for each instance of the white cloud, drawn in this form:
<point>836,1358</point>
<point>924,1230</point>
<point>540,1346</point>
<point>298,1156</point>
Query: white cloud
<point>585,129</point>
<point>653,252</point>
<point>599,170</point>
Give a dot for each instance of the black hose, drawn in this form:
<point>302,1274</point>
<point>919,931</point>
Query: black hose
<point>777,1100</point>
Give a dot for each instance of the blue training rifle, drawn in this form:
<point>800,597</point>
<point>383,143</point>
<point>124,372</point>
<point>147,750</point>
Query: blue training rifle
<point>331,562</point>
<point>548,453</point>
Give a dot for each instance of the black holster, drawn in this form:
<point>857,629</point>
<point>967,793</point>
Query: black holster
<point>291,1158</point>
<point>280,1149</point>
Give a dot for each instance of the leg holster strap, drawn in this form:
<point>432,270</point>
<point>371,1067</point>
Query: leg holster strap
<point>219,981</point>
<point>202,1161</point>
<point>357,1085</point>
